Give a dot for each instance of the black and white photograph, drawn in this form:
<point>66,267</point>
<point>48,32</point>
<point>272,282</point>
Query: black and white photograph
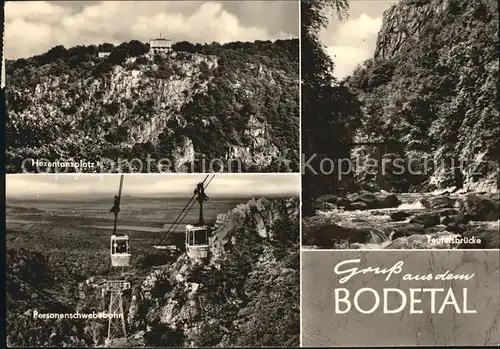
<point>131,260</point>
<point>152,86</point>
<point>251,173</point>
<point>400,124</point>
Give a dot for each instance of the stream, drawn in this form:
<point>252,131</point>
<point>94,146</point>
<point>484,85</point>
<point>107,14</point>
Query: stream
<point>413,224</point>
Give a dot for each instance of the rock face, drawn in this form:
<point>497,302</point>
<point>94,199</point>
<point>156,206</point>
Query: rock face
<point>434,60</point>
<point>263,213</point>
<point>327,236</point>
<point>178,299</point>
<point>438,202</point>
<point>182,107</point>
<point>480,208</point>
<point>403,21</point>
<point>366,200</point>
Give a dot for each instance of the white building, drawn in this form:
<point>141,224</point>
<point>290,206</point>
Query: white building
<point>103,54</point>
<point>160,45</point>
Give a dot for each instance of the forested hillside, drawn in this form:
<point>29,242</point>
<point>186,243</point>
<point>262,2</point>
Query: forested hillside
<point>231,101</point>
<point>430,93</point>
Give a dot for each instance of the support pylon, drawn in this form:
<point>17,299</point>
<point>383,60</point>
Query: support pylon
<point>116,317</point>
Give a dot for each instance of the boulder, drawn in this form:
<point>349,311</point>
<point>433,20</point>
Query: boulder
<point>366,200</point>
<point>330,198</point>
<point>438,202</point>
<point>412,242</point>
<point>456,228</point>
<point>400,215</point>
<point>260,226</point>
<point>426,219</point>
<point>360,205</point>
<point>330,206</point>
<point>480,208</point>
<point>408,230</point>
<point>453,218</point>
<point>445,191</point>
<point>327,236</point>
<point>324,206</point>
<point>477,237</point>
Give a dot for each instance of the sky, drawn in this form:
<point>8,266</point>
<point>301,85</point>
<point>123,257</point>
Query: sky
<point>352,41</point>
<point>33,27</point>
<point>40,185</point>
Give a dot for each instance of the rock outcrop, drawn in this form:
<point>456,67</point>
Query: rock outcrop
<point>480,208</point>
<point>233,102</point>
<point>428,96</point>
<point>403,21</point>
<point>180,298</point>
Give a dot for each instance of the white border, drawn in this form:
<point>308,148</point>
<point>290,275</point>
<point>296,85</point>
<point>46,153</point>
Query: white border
<point>300,171</point>
<point>77,174</point>
<point>402,250</point>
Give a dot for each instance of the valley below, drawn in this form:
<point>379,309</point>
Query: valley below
<point>246,294</point>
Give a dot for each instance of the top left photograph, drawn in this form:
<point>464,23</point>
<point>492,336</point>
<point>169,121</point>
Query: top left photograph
<point>151,86</point>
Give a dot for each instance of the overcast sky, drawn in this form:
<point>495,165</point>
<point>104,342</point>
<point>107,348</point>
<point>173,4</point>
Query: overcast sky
<point>23,185</point>
<point>352,41</point>
<point>33,27</point>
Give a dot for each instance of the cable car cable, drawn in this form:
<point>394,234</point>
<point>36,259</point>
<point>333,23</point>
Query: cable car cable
<point>191,203</point>
<point>180,214</point>
<point>185,214</point>
<point>192,198</point>
<point>119,249</point>
<point>116,206</point>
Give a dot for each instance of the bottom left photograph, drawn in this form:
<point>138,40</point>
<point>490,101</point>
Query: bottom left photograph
<point>156,260</point>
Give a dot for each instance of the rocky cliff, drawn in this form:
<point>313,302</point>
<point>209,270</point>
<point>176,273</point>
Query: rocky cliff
<point>251,280</point>
<point>429,96</point>
<point>233,101</point>
<point>406,20</point>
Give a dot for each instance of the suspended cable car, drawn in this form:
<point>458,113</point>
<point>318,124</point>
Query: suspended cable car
<point>119,245</point>
<point>197,246</point>
<point>120,251</point>
<point>197,241</point>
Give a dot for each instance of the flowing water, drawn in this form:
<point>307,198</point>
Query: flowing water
<point>381,226</point>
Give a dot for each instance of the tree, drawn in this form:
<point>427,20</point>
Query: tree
<point>136,48</point>
<point>437,96</point>
<point>106,47</point>
<point>185,46</point>
<point>55,53</point>
<point>164,336</point>
<point>323,122</point>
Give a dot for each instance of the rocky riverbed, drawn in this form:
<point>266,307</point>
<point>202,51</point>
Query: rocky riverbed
<point>445,219</point>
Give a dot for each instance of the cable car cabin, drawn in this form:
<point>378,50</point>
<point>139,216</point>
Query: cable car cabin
<point>120,253</point>
<point>197,241</point>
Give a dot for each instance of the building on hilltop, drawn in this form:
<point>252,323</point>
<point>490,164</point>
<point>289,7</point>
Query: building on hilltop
<point>103,54</point>
<point>160,45</point>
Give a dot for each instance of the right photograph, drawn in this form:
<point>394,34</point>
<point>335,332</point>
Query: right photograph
<point>400,124</point>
